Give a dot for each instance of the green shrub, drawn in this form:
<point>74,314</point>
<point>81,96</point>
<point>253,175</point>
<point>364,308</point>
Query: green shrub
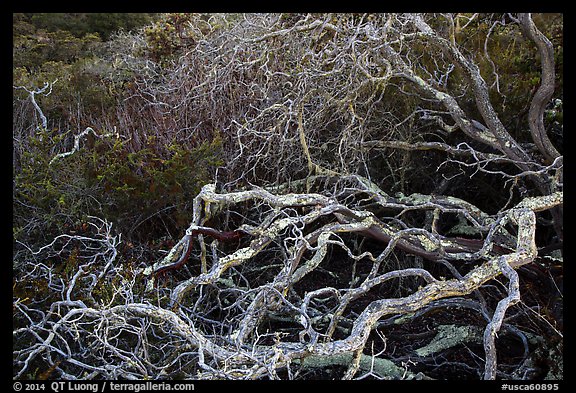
<point>144,193</point>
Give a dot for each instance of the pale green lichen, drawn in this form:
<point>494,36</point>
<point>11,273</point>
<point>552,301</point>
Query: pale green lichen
<point>449,336</point>
<point>428,244</point>
<point>542,202</point>
<point>404,318</point>
<point>382,367</point>
<point>463,228</point>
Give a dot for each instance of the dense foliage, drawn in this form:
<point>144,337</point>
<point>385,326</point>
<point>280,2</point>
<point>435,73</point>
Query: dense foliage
<point>138,184</point>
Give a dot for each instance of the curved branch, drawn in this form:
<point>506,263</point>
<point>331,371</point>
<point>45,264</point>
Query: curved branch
<point>505,142</point>
<point>77,139</point>
<point>544,92</point>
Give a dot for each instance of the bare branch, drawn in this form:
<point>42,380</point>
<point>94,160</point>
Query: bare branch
<point>545,90</point>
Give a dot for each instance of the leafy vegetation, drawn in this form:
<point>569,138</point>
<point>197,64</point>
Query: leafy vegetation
<point>111,177</point>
